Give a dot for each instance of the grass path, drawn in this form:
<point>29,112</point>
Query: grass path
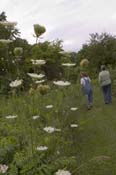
<point>97,138</point>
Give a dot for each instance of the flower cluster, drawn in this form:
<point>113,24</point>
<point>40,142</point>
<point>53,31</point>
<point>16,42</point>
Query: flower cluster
<point>62,172</point>
<point>49,106</point>
<point>62,83</point>
<point>38,62</point>
<point>11,116</point>
<point>68,64</point>
<point>3,168</point>
<point>74,109</point>
<point>42,148</point>
<point>33,75</point>
<point>15,83</point>
<point>73,125</point>
<point>35,117</point>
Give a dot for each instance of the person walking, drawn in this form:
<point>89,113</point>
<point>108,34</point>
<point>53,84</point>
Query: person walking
<point>105,83</point>
<point>87,89</point>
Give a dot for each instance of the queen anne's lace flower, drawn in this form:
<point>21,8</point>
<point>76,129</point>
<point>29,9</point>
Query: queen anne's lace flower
<point>16,83</point>
<point>62,172</point>
<point>7,23</point>
<point>39,82</point>
<point>73,108</point>
<point>5,41</point>
<point>49,106</point>
<point>62,83</point>
<point>11,116</point>
<point>33,75</point>
<point>35,117</point>
<point>68,64</point>
<point>73,125</point>
<point>38,62</point>
<point>49,129</point>
<point>42,148</point>
<point>3,168</point>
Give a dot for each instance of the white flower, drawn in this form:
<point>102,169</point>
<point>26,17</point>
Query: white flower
<point>5,41</point>
<point>62,83</point>
<point>62,172</point>
<point>7,23</point>
<point>38,62</point>
<point>11,116</point>
<point>3,168</point>
<point>33,75</point>
<point>73,125</point>
<point>49,129</point>
<point>39,82</point>
<point>49,106</point>
<point>16,83</point>
<point>35,117</point>
<point>42,148</point>
<point>68,64</point>
<point>73,108</point>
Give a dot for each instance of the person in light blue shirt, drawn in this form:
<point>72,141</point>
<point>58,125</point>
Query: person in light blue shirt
<point>87,89</point>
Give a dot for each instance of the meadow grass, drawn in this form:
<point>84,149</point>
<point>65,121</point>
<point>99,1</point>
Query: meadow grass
<point>92,143</point>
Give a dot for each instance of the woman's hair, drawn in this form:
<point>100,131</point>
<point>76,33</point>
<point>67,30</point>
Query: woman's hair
<point>103,67</point>
<point>84,74</point>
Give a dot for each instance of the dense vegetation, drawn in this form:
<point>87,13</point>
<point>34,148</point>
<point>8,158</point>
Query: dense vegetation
<point>44,126</point>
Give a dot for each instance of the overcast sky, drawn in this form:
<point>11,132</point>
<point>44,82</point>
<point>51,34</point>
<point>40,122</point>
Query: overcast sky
<point>69,20</point>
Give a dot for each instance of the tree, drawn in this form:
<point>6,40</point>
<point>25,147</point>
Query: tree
<point>101,49</point>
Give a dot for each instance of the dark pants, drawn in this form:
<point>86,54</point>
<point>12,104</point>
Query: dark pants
<point>107,93</point>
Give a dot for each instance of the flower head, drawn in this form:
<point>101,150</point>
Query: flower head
<point>74,109</point>
<point>49,129</point>
<point>11,116</point>
<point>62,172</point>
<point>73,125</point>
<point>3,168</point>
<point>35,117</point>
<point>68,64</point>
<point>33,75</point>
<point>6,41</point>
<point>7,23</point>
<point>49,106</point>
<point>62,83</point>
<point>40,81</point>
<point>42,148</point>
<point>38,62</point>
<point>16,83</point>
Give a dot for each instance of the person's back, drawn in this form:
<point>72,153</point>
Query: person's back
<point>104,78</point>
<point>105,83</point>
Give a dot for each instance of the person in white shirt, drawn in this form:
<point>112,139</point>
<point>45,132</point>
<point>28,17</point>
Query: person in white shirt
<point>87,89</point>
<point>105,83</point>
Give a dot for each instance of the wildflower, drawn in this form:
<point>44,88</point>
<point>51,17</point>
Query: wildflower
<point>68,64</point>
<point>73,108</point>
<point>33,75</point>
<point>39,82</point>
<point>84,63</point>
<point>62,172</point>
<point>7,23</point>
<point>62,83</point>
<point>43,89</point>
<point>42,148</point>
<point>38,62</point>
<point>35,117</point>
<point>18,51</point>
<point>16,83</point>
<point>11,116</point>
<point>6,41</point>
<point>73,125</point>
<point>49,129</point>
<point>49,106</point>
<point>3,168</point>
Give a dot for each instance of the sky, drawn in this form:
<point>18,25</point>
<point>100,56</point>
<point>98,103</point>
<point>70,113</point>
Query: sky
<point>69,20</point>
